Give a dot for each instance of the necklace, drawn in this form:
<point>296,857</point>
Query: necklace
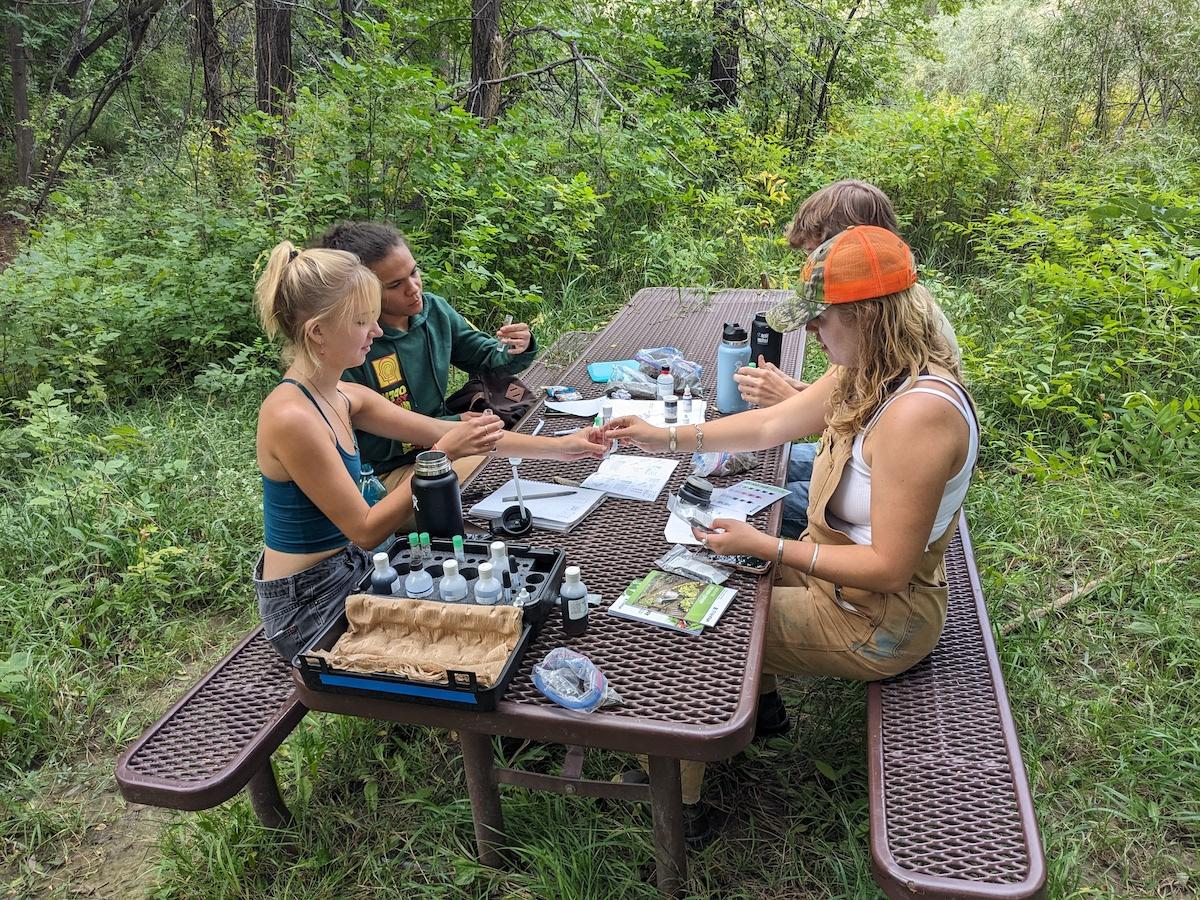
<point>334,409</point>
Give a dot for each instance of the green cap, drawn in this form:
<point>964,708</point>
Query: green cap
<point>413,540</point>
<point>424,538</point>
<point>458,542</point>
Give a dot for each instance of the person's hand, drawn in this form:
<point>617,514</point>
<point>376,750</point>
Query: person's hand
<point>639,432</point>
<point>469,415</point>
<point>731,537</point>
<point>766,385</point>
<point>474,437</point>
<point>587,443</point>
<point>517,336</point>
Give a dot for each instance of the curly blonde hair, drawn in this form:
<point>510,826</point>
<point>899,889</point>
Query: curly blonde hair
<point>899,336</point>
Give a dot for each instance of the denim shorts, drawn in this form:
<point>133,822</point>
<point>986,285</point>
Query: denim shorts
<point>296,609</point>
<point>799,475</point>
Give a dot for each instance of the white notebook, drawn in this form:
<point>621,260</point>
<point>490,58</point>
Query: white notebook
<point>558,513</point>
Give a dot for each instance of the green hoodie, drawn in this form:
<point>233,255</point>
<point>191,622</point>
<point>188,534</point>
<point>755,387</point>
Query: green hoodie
<point>412,369</point>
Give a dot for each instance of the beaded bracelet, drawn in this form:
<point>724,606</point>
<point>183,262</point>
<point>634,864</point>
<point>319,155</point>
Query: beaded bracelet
<point>699,440</point>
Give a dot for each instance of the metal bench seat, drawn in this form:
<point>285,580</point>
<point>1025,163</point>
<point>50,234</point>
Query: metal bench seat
<point>951,812</point>
<point>219,738</point>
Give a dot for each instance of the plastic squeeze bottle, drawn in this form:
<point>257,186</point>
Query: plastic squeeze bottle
<point>685,405</point>
<point>418,583</point>
<point>385,579</point>
<point>573,601</point>
<point>487,588</point>
<point>453,586</point>
<point>732,354</point>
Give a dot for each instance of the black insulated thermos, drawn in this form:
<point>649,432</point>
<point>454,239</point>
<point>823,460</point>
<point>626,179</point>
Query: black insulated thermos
<point>765,341</point>
<point>437,503</point>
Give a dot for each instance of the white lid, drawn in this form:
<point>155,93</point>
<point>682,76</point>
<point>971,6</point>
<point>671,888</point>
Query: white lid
<point>450,568</point>
<point>381,560</point>
<point>572,574</point>
<point>499,548</point>
<point>485,572</point>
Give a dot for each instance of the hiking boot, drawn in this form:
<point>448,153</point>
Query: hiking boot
<point>772,718</point>
<point>700,825</point>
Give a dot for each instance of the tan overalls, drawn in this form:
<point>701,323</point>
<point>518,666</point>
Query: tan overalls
<point>816,627</point>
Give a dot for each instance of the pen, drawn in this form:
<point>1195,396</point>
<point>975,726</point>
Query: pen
<point>536,431</point>
<point>544,495</point>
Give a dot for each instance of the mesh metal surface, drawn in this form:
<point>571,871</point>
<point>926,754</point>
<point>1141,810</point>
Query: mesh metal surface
<point>952,808</point>
<point>660,674</point>
<point>200,740</point>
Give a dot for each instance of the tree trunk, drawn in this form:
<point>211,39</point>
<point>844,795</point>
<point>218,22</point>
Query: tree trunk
<point>347,10</point>
<point>18,57</point>
<point>723,69</point>
<point>483,99</point>
<point>274,84</point>
<point>210,57</point>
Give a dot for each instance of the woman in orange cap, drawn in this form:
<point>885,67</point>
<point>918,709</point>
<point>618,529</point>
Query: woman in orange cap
<point>862,593</point>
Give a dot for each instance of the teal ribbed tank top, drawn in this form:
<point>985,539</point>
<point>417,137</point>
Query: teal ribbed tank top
<point>291,522</point>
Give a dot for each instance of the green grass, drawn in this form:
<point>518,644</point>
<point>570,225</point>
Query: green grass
<point>122,614</point>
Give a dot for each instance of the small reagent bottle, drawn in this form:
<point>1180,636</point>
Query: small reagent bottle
<point>385,580</point>
<point>487,588</point>
<point>573,601</point>
<point>460,554</point>
<point>453,586</point>
<point>685,405</point>
<point>418,584</point>
<point>666,384</point>
<point>499,554</point>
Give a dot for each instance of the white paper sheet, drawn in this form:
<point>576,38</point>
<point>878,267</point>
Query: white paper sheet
<point>585,408</point>
<point>632,477</point>
<point>678,531</point>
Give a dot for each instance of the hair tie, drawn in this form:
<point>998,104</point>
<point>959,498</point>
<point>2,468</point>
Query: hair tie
<point>293,254</point>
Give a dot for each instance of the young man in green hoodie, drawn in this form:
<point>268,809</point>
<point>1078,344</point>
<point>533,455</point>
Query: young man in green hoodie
<point>423,336</point>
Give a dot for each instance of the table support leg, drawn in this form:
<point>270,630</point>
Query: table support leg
<point>666,807</point>
<point>480,770</point>
<point>266,800</point>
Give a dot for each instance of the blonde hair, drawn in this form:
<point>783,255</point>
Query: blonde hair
<point>899,336</point>
<point>836,207</point>
<point>299,287</point>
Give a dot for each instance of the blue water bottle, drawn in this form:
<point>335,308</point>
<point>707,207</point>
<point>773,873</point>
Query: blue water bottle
<point>732,354</point>
<point>372,488</point>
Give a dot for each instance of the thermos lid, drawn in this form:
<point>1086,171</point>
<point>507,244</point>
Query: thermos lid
<point>760,318</point>
<point>432,462</point>
<point>697,491</point>
<point>733,332</point>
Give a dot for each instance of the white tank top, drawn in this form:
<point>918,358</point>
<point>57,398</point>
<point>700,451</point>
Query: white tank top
<point>849,508</point>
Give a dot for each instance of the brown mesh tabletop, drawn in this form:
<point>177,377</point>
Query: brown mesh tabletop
<point>685,696</point>
<point>951,812</point>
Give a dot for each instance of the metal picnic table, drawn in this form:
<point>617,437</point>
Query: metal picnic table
<point>685,696</point>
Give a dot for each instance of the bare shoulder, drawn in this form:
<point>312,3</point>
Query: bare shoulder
<point>285,413</point>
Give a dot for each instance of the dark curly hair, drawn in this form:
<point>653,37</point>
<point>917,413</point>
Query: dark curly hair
<point>369,241</point>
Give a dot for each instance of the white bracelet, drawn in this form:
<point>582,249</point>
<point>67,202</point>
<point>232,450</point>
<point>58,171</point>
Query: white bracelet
<point>674,438</point>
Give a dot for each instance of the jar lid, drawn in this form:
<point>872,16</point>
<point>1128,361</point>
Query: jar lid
<point>697,491</point>
<point>432,462</point>
<point>733,332</point>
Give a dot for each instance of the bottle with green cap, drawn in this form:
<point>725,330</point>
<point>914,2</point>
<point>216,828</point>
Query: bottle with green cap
<point>460,554</point>
<point>418,583</point>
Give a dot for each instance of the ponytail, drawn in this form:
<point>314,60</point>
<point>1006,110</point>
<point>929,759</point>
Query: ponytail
<point>302,286</point>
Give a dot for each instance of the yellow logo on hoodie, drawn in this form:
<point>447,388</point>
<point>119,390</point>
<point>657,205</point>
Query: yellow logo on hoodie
<point>387,370</point>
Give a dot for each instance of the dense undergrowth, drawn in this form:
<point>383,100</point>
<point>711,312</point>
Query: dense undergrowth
<point>130,372</point>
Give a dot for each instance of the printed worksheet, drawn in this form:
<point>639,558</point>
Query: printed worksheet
<point>632,477</point>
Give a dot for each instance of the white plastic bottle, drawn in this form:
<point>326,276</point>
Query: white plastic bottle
<point>487,588</point>
<point>499,557</point>
<point>453,587</point>
<point>666,383</point>
<point>385,580</point>
<point>685,405</point>
<point>606,416</point>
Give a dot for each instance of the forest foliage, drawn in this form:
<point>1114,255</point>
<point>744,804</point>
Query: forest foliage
<point>1044,160</point>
